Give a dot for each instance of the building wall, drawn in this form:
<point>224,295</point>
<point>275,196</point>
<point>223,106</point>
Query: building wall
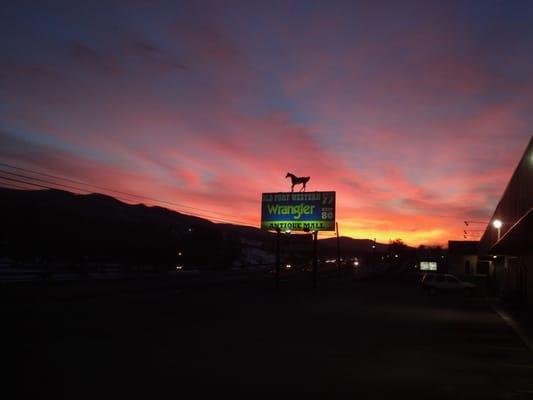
<point>512,274</point>
<point>518,278</point>
<point>496,274</point>
<point>528,262</point>
<point>513,278</point>
<point>457,264</point>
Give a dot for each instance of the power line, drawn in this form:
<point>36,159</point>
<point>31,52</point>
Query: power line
<point>44,186</point>
<point>108,189</point>
<point>10,185</point>
<point>27,183</point>
<point>220,220</point>
<point>111,190</point>
<point>45,181</point>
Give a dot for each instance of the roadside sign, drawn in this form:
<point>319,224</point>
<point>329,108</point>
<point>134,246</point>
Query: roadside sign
<point>303,211</point>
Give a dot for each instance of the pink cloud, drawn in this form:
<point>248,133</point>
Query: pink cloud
<point>413,136</point>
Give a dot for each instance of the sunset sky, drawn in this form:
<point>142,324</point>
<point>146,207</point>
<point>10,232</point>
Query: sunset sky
<point>415,113</point>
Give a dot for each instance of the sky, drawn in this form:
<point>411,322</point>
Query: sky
<point>415,113</point>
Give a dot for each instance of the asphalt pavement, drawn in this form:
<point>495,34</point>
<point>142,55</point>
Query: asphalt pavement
<point>371,339</point>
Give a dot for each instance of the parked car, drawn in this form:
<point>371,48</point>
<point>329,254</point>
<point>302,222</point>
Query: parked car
<point>434,282</point>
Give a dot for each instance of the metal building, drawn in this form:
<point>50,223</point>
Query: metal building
<point>508,238</point>
<point>463,258</point>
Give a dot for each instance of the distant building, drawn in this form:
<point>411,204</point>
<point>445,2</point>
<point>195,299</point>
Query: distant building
<point>431,259</point>
<point>509,245</point>
<point>463,258</point>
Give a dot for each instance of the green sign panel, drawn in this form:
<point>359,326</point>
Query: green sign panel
<point>314,211</point>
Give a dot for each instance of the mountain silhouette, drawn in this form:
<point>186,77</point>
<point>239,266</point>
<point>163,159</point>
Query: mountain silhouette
<point>55,226</point>
<point>59,227</point>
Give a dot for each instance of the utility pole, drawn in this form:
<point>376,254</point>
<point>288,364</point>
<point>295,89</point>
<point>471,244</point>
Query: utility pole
<point>374,254</point>
<point>315,259</point>
<point>338,249</point>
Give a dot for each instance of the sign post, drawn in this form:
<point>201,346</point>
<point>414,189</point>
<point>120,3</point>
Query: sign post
<point>315,258</point>
<point>278,238</point>
<point>338,249</point>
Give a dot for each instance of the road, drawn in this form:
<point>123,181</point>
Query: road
<point>370,339</point>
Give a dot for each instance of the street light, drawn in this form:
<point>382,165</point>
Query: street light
<point>498,225</point>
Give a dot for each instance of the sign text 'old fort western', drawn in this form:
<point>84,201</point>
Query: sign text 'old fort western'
<point>314,211</point>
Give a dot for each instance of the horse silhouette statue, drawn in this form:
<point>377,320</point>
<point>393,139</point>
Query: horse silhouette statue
<point>298,180</point>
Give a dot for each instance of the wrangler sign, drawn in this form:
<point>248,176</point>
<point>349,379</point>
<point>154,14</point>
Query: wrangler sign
<point>313,211</point>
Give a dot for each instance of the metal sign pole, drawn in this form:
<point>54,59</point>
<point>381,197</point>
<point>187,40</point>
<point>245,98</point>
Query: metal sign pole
<point>315,259</point>
<point>278,238</point>
<point>338,249</point>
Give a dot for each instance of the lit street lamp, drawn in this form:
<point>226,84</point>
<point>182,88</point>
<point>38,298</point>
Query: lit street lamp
<point>498,225</point>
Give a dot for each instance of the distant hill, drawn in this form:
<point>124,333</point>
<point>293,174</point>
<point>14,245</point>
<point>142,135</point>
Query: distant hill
<point>59,226</point>
<point>349,245</point>
<point>55,226</point>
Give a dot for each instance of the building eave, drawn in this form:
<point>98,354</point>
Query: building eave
<point>517,240</point>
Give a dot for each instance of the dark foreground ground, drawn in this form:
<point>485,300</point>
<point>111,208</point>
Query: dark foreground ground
<point>370,339</point>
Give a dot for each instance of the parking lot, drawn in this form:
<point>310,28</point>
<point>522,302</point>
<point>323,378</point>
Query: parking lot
<point>372,338</point>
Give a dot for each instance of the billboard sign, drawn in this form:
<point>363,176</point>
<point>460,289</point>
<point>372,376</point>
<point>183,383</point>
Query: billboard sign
<point>428,265</point>
<point>313,211</point>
